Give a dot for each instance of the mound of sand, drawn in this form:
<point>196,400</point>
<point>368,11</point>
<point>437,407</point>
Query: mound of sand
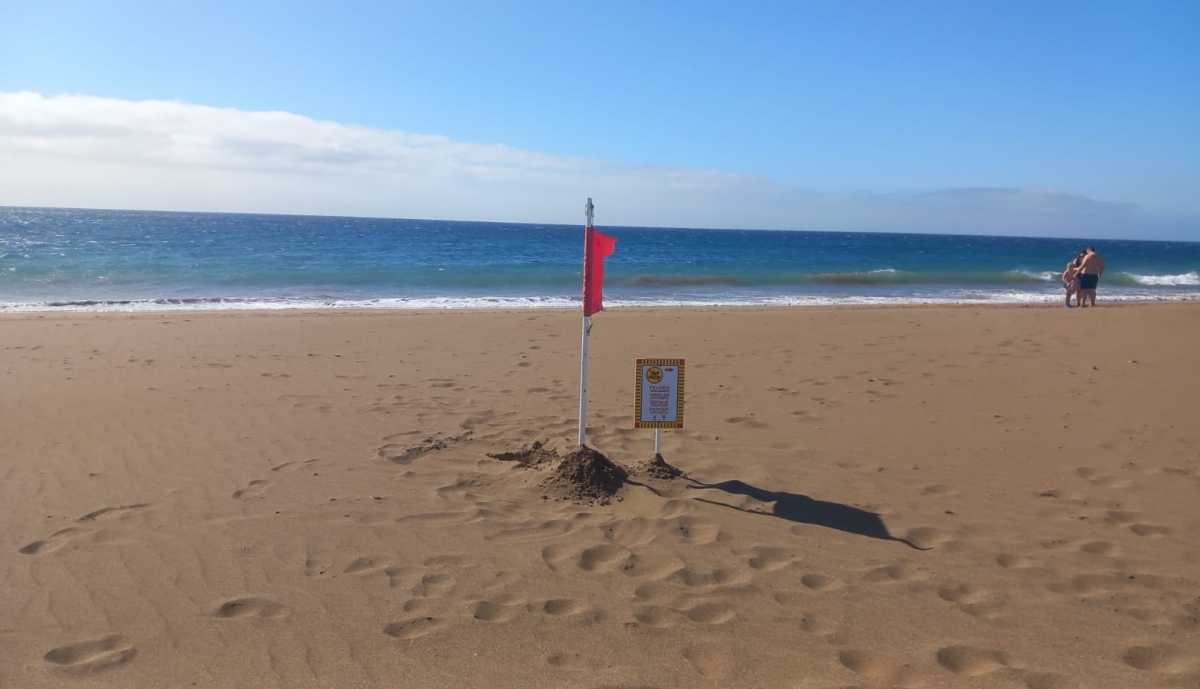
<point>658,468</point>
<point>585,475</point>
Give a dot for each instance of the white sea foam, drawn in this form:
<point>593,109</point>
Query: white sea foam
<point>548,302</point>
<point>1192,278</point>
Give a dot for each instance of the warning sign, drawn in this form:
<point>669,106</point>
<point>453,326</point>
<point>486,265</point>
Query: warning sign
<point>658,400</point>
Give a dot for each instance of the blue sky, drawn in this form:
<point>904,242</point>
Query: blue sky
<point>851,114</point>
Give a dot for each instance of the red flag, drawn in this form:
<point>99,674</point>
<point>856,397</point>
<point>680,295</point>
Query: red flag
<point>595,249</point>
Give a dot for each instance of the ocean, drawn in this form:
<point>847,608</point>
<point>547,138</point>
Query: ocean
<point>54,259</point>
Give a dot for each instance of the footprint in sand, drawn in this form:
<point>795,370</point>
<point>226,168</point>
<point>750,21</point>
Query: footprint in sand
<point>1013,561</point>
<point>712,661</point>
<point>254,489</point>
<point>656,616</point>
<point>747,421</point>
<point>820,582</point>
<point>293,466</point>
<point>249,607</point>
<point>1101,480</point>
<point>563,607</point>
<point>938,489</point>
<point>893,573</point>
<point>364,565</point>
<point>567,660</point>
<point>695,531</point>
<point>602,558</point>
<point>817,625</point>
<point>495,611</point>
<point>714,612</point>
<point>969,661</point>
<point>656,591</point>
<point>652,565</point>
<point>630,533</point>
<point>973,600</point>
<point>1166,659</point>
<point>413,628</point>
<point>877,667</point>
<point>419,606</point>
<point>1118,517</point>
<point>1151,530</point>
<point>434,585</point>
<point>104,511</point>
<point>53,542</point>
<point>1103,548</point>
<point>926,537</point>
<point>769,559</point>
<point>717,577</point>
<point>92,656</point>
<point>598,558</point>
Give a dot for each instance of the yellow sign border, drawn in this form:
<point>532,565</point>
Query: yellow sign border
<point>637,396</point>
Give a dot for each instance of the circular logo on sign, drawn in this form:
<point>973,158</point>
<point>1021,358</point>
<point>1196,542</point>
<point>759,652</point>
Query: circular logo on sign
<point>654,374</point>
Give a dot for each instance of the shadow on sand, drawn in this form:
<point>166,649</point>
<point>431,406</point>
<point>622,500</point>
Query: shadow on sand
<point>805,510</point>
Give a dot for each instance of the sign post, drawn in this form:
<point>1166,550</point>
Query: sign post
<point>658,397</point>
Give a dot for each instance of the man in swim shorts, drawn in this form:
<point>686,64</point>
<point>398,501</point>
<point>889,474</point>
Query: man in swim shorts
<point>1090,270</point>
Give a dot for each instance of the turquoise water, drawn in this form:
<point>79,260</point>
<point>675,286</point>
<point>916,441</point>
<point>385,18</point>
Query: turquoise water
<point>65,259</point>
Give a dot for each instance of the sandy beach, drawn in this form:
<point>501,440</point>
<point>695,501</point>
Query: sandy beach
<point>874,497</point>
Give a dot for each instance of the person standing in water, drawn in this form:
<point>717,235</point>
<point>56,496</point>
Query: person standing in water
<point>1090,270</point>
<point>1070,278</point>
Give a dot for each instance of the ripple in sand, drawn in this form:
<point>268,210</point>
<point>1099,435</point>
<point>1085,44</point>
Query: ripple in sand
<point>414,628</point>
<point>249,607</point>
<point>362,565</point>
<point>93,655</point>
<point>533,531</point>
<point>896,572</point>
<point>1051,680</point>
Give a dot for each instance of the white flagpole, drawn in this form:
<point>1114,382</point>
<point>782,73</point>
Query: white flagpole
<point>587,326</point>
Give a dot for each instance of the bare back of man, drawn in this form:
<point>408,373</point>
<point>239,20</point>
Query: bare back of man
<point>1090,270</point>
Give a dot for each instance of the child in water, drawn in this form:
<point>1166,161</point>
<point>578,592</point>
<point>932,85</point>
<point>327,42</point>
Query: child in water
<point>1070,278</point>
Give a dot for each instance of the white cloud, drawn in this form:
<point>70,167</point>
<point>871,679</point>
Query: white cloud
<point>84,151</point>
